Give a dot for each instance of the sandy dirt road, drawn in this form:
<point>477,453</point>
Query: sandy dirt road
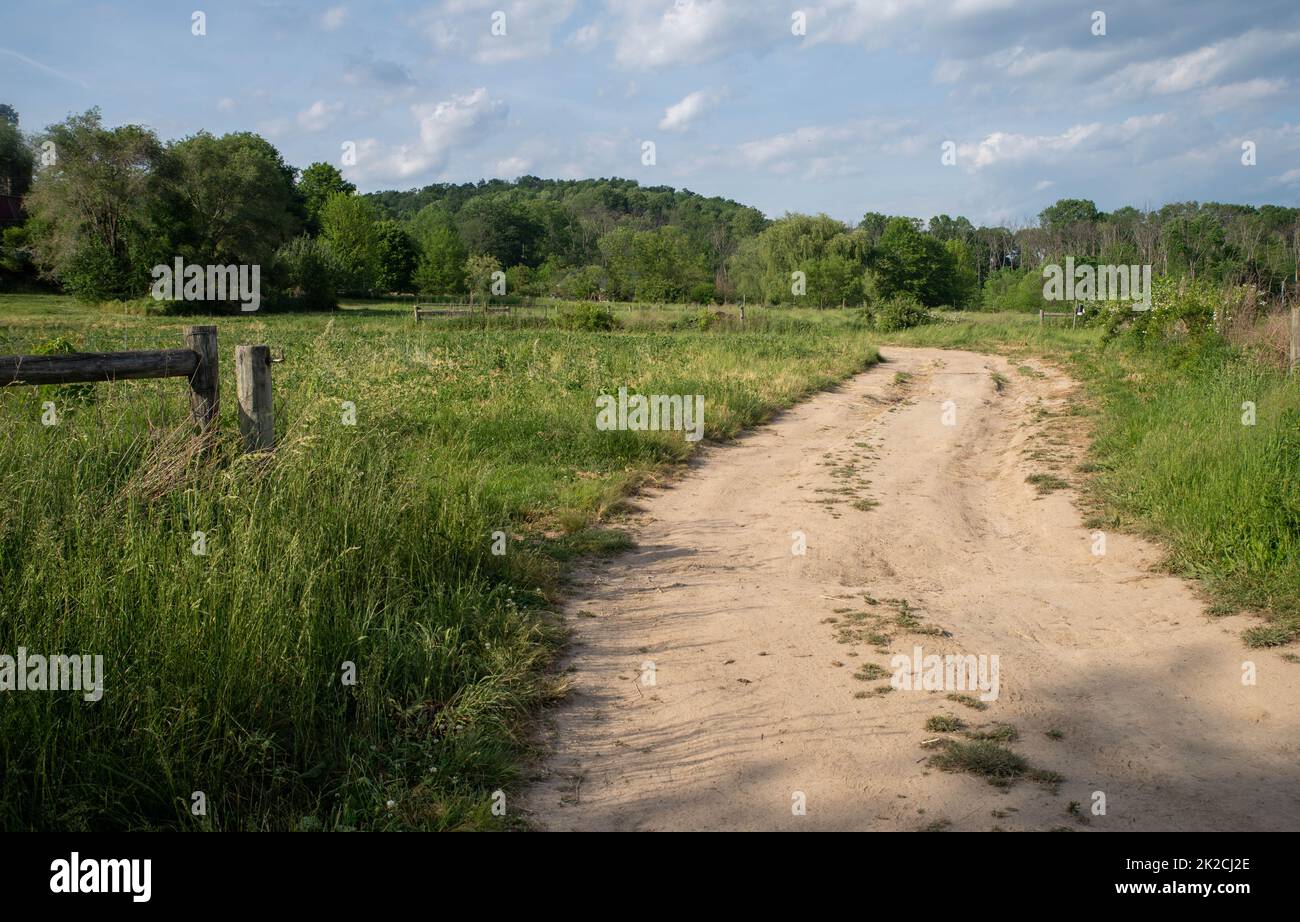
<point>763,700</point>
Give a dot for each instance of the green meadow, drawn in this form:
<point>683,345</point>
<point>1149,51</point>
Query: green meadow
<point>353,551</point>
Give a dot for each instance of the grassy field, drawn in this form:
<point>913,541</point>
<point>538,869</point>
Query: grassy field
<point>370,544</point>
<point>367,544</point>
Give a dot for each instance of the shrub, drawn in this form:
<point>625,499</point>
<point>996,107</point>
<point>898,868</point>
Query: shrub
<point>1014,290</point>
<point>700,319</point>
<point>580,283</point>
<point>900,312</point>
<point>305,276</point>
<point>585,315</point>
<point>96,274</point>
<point>704,293</point>
<point>1178,307</point>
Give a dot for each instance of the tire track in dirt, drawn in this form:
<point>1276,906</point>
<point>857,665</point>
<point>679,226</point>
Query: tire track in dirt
<point>754,649</point>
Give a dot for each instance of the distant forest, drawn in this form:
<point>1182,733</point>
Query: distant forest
<point>92,209</point>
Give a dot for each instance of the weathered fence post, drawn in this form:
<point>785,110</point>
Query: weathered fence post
<point>253,391</point>
<point>1295,338</point>
<point>204,383</point>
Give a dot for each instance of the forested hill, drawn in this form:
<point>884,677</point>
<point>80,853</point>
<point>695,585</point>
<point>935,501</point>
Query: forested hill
<point>118,202</point>
<point>531,220</point>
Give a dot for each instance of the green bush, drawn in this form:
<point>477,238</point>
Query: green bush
<point>704,293</point>
<point>585,315</point>
<point>304,276</point>
<point>1178,307</point>
<point>1015,290</point>
<point>699,319</point>
<point>95,274</point>
<point>900,312</point>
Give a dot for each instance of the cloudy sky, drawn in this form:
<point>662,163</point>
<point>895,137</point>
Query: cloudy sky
<point>841,106</point>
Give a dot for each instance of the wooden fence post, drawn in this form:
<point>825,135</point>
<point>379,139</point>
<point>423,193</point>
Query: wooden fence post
<point>253,391</point>
<point>204,383</point>
<point>1295,338</point>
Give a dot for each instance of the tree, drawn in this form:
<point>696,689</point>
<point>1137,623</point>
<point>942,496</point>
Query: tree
<point>873,223</point>
<point>1068,211</point>
<point>498,226</point>
<point>907,261</point>
<point>237,198</point>
<point>583,283</point>
<point>441,264</point>
<point>304,269</point>
<point>944,228</point>
<point>666,270</point>
<point>315,185</point>
<point>16,160</point>
<point>834,280</point>
<point>830,257</point>
<point>348,223</point>
<point>479,270</point>
<point>618,253</point>
<point>964,283</point>
<point>95,210</point>
<point>396,257</point>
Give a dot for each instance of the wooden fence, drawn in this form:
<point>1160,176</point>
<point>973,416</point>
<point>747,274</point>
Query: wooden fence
<point>455,310</point>
<point>1073,315</point>
<point>197,362</point>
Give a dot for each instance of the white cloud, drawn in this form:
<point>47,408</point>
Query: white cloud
<point>225,104</point>
<point>1235,95</point>
<point>585,38</point>
<point>815,151</point>
<point>1202,67</point>
<point>333,19</point>
<point>444,127</point>
<point>681,115</point>
<point>529,25</point>
<point>654,34</point>
<point>512,167</point>
<point>1010,148</point>
<point>319,115</point>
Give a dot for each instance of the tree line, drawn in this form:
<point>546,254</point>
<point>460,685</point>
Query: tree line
<point>101,206</point>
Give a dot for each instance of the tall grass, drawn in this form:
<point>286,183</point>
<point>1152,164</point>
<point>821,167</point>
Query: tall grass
<point>367,545</point>
<point>1180,457</point>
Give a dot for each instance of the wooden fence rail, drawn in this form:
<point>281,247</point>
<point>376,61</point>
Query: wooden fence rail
<point>456,310</point>
<point>78,367</point>
<point>197,363</point>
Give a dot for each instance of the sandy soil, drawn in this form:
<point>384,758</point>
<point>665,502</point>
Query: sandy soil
<point>752,649</point>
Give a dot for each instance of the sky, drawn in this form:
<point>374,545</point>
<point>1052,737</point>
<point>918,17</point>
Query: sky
<point>988,108</point>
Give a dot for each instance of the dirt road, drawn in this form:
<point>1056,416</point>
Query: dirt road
<point>723,680</point>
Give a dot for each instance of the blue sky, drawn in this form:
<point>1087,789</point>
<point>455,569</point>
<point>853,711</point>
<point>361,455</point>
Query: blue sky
<point>849,117</point>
